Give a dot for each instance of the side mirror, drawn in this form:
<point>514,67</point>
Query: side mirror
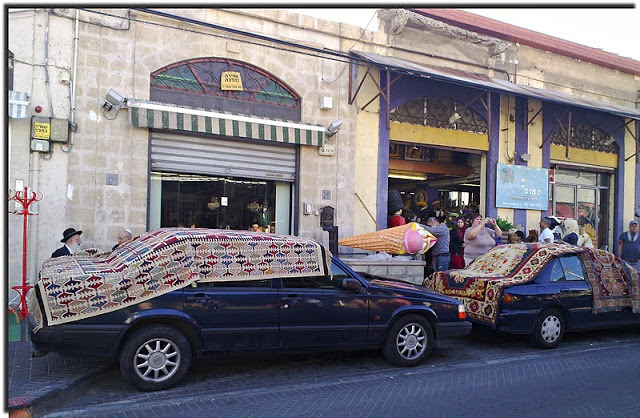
<point>351,284</point>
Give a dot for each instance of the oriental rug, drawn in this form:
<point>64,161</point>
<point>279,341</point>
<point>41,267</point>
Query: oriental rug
<point>160,261</point>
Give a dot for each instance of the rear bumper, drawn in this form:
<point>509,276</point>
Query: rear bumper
<point>88,340</point>
<point>453,329</point>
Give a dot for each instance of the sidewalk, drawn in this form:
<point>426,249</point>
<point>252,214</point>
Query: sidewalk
<point>31,381</point>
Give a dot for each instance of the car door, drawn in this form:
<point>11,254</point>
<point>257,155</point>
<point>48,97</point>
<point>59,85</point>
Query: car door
<point>317,311</point>
<point>567,281</point>
<point>234,315</point>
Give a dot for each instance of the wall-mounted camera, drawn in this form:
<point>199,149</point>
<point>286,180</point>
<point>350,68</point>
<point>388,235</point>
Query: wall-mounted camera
<point>114,100</point>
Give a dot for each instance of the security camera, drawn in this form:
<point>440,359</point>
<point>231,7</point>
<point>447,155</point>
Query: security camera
<point>333,127</point>
<point>112,100</point>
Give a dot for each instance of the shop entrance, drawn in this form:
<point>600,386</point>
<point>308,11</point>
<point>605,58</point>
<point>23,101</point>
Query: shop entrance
<point>583,196</point>
<point>434,181</point>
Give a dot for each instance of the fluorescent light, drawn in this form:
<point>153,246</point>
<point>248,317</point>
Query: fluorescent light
<point>407,176</point>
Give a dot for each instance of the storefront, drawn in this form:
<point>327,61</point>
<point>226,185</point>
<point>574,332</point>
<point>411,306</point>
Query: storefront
<point>448,131</point>
<point>215,168</point>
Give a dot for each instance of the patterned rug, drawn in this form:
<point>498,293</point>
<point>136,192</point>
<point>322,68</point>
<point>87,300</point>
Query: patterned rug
<point>160,261</point>
<point>482,283</point>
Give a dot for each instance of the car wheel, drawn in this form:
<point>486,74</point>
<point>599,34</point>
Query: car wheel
<point>155,358</point>
<point>409,342</point>
<point>549,329</point>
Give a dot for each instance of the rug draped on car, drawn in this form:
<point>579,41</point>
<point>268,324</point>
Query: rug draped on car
<point>479,286</point>
<point>160,261</point>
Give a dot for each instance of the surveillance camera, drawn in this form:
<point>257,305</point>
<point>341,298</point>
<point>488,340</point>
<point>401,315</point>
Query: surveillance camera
<point>333,127</point>
<point>113,99</point>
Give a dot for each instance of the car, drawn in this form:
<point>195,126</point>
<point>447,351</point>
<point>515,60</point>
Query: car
<point>544,290</point>
<point>175,293</point>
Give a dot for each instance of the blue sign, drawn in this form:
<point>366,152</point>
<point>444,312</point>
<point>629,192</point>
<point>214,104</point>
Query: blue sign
<point>521,187</point>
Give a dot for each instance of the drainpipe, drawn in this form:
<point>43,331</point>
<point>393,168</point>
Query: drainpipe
<point>72,119</point>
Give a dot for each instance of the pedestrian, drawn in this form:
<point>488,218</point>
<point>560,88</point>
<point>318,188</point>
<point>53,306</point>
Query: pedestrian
<point>456,244</point>
<point>570,231</point>
<point>478,239</point>
<point>255,228</point>
<point>629,246</point>
<point>517,237</point>
<point>441,248</point>
<point>396,219</point>
<point>533,236</point>
<point>545,232</point>
<point>125,235</point>
<point>71,239</point>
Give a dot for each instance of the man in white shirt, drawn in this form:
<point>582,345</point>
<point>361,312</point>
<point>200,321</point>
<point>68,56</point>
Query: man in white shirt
<point>546,235</point>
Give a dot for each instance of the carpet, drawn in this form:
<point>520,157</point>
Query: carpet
<point>160,261</point>
<point>615,285</point>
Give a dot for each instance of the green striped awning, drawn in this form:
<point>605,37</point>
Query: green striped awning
<point>144,114</point>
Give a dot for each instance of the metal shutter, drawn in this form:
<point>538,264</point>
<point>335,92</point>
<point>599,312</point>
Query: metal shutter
<point>204,155</point>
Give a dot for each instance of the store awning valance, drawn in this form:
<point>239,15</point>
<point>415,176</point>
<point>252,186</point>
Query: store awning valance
<point>484,82</point>
<point>145,114</point>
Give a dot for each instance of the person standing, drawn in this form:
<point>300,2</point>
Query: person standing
<point>441,248</point>
<point>71,239</point>
<point>629,246</point>
<point>456,244</point>
<point>478,239</point>
<point>517,237</point>
<point>546,235</point>
<point>570,231</point>
<point>397,219</point>
<point>124,236</point>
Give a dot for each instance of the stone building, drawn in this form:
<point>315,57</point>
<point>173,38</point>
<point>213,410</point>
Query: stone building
<point>227,117</point>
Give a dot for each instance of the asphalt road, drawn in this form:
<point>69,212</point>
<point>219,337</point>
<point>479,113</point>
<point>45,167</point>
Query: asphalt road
<point>496,375</point>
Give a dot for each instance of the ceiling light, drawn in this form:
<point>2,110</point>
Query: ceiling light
<point>407,176</point>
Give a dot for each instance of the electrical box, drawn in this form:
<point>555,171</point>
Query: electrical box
<point>40,134</point>
<point>40,145</point>
<point>59,130</point>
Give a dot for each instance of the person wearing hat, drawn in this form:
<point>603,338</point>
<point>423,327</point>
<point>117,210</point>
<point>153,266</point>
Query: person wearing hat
<point>629,246</point>
<point>124,236</point>
<point>72,241</point>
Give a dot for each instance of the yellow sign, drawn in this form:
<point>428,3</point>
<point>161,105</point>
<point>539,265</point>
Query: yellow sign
<point>41,130</point>
<point>231,80</point>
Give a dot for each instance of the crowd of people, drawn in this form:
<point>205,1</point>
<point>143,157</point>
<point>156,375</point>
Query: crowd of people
<point>475,235</point>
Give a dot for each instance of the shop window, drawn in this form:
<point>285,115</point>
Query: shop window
<point>219,203</point>
<point>439,112</point>
<point>585,136</point>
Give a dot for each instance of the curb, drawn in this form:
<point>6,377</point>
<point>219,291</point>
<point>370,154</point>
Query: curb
<point>37,401</point>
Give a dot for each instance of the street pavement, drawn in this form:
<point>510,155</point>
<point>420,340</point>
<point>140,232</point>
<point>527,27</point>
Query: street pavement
<point>31,381</point>
<point>485,375</point>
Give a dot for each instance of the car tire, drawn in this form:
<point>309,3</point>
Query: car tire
<point>155,358</point>
<point>549,329</point>
<point>409,342</point>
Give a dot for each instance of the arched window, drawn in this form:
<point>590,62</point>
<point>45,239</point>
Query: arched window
<point>439,112</point>
<point>585,136</point>
<point>197,83</point>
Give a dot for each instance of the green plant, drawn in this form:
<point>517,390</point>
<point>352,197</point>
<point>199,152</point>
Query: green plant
<point>504,224</point>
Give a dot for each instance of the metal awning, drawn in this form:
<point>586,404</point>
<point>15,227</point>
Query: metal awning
<point>484,82</point>
<point>146,114</point>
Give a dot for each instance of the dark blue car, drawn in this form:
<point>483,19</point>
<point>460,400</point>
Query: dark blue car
<point>543,290</point>
<point>237,291</point>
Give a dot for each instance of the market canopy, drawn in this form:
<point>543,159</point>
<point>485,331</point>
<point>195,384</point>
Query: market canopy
<point>484,82</point>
